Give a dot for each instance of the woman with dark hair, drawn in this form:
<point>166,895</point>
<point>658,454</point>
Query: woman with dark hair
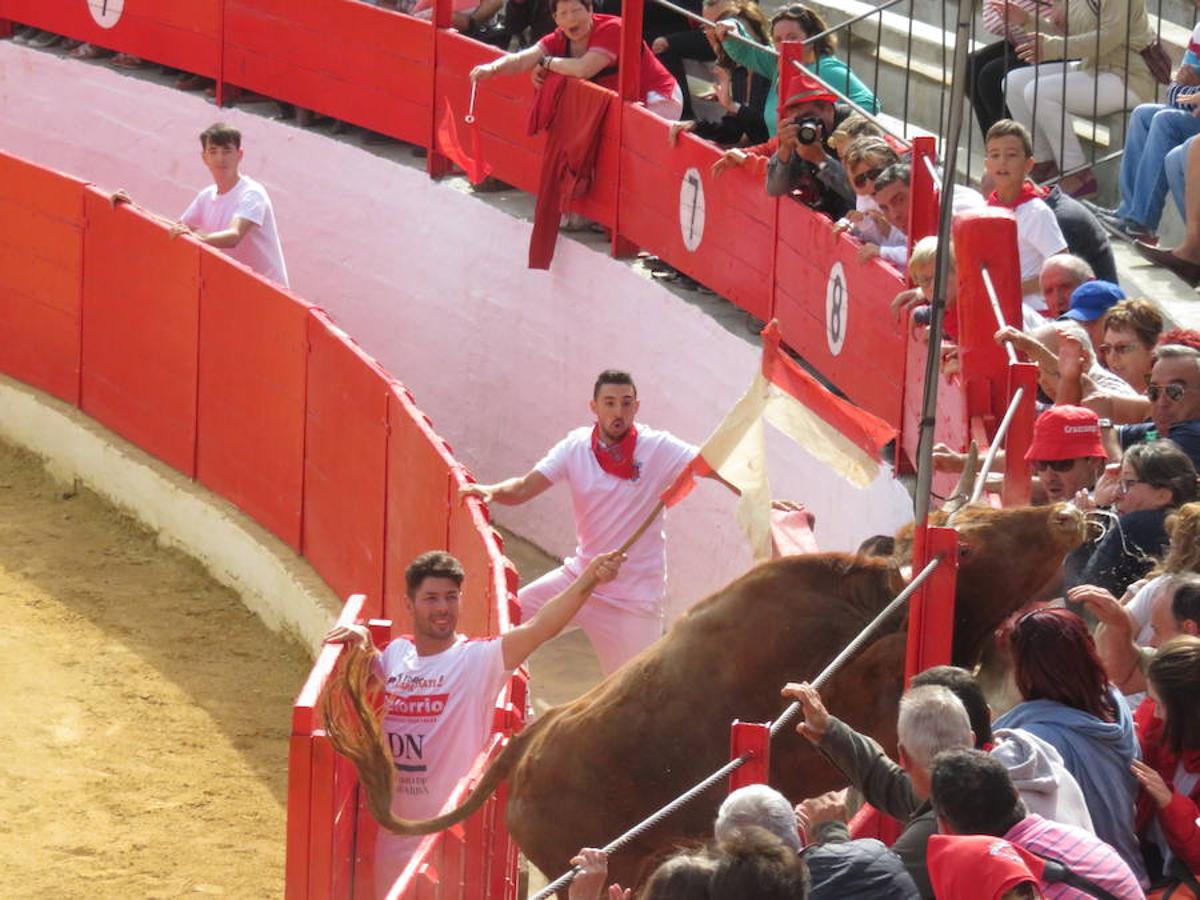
<point>1067,702</point>
<point>1168,727</point>
<point>796,23</point>
<point>587,45</point>
<point>1156,478</point>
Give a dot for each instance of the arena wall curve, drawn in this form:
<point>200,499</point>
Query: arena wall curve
<point>432,283</point>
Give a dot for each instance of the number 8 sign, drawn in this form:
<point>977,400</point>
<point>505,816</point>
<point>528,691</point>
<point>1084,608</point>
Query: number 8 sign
<point>837,309</point>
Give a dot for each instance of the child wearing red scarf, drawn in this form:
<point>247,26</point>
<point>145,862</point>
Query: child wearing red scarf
<point>1008,160</point>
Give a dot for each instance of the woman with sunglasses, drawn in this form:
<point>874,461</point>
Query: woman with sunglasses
<point>1068,702</point>
<point>796,23</point>
<point>1156,478</point>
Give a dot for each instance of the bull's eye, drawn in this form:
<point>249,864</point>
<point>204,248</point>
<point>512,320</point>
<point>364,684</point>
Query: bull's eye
<point>964,550</point>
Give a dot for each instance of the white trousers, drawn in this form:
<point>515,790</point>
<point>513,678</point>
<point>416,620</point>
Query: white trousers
<point>617,632</point>
<point>1085,93</point>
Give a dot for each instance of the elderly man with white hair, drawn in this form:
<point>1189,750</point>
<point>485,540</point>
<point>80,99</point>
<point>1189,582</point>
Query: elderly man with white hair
<point>931,719</point>
<point>1066,361</point>
<point>839,868</point>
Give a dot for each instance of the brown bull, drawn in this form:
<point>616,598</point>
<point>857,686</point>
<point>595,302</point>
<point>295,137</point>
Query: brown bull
<point>585,772</point>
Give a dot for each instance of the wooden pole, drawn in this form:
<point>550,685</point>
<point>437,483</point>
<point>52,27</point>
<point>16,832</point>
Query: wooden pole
<point>641,529</point>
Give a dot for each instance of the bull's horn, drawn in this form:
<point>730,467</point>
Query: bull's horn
<point>966,483</point>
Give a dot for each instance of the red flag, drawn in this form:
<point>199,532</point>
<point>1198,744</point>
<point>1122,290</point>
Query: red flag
<point>451,147</point>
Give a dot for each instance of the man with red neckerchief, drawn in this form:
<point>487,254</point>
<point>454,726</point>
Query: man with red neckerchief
<point>616,471</point>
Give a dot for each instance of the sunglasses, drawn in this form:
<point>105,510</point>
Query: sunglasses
<point>1118,349</point>
<point>1054,465</point>
<point>861,179</point>
<point>1174,391</point>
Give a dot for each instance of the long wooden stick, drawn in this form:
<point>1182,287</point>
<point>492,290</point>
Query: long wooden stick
<point>633,538</point>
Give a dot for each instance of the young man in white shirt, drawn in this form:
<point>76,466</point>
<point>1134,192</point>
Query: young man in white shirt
<point>440,688</point>
<point>616,472</point>
<point>234,214</point>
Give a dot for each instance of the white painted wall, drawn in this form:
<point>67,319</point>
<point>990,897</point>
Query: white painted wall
<point>433,283</point>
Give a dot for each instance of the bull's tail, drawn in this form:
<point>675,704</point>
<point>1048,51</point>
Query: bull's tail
<point>350,713</point>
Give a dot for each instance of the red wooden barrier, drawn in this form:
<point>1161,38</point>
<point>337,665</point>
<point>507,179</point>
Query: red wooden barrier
<point>141,309</point>
<point>356,62</point>
<point>418,498</point>
<point>182,33</point>
<point>931,609</point>
<point>753,738</point>
<point>1017,471</point>
<point>833,311</point>
<point>41,276</point>
<point>251,402</point>
<point>345,462</point>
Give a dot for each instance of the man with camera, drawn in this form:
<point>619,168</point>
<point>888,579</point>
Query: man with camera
<point>805,163</point>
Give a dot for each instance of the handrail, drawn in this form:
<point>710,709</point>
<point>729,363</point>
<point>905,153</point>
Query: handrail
<point>997,311</point>
<point>852,21</point>
<point>781,722</point>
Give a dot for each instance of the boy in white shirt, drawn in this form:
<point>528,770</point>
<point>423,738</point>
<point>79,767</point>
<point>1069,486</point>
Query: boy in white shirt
<point>1007,161</point>
<point>234,214</point>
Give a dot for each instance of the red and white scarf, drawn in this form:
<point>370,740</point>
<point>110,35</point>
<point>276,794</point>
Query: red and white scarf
<point>1029,191</point>
<point>617,459</point>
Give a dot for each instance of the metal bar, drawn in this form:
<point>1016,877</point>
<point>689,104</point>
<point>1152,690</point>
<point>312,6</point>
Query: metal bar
<point>855,645</point>
<point>990,459</point>
<point>781,722</point>
<point>996,311</point>
<point>924,460</point>
<point>854,21</point>
<point>933,173</point>
<point>854,106</point>
<point>705,23</point>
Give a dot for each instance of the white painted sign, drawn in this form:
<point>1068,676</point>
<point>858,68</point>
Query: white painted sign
<point>691,209</point>
<point>106,12</point>
<point>837,309</point>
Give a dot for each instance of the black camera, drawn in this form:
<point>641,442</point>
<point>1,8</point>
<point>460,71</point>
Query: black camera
<point>809,130</point>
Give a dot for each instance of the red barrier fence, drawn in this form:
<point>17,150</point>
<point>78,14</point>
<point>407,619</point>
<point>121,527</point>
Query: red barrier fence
<point>258,396</point>
<point>394,74</point>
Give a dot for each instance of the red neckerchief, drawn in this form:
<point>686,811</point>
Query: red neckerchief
<point>1029,191</point>
<point>617,459</point>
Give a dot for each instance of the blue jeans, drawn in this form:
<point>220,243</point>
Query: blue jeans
<point>1176,167</point>
<point>1154,131</point>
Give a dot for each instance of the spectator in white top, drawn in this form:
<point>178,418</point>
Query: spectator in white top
<point>616,472</point>
<point>234,214</point>
<point>892,194</point>
<point>439,691</point>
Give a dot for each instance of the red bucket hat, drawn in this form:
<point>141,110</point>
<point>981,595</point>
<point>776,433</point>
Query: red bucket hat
<point>979,866</point>
<point>1066,432</point>
<point>800,87</point>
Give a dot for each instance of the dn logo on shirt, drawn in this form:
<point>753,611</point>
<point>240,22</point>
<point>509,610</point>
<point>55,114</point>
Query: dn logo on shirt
<point>418,706</point>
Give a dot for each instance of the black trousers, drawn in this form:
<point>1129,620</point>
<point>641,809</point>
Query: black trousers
<point>986,70</point>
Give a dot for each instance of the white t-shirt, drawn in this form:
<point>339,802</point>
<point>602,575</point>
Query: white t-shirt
<point>1038,238</point>
<point>608,509</point>
<point>259,247</point>
<point>437,716</point>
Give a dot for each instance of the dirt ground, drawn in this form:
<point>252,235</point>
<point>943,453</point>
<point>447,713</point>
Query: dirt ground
<point>143,742</point>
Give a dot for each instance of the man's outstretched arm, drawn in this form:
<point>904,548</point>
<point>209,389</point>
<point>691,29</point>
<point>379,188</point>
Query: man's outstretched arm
<point>511,492</point>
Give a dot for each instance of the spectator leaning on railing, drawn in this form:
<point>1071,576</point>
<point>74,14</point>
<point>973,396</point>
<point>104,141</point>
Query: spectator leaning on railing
<point>805,162</point>
<point>865,160</point>
<point>1097,45</point>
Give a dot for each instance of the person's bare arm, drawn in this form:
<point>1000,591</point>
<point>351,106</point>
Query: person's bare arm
<point>510,492</point>
<point>1114,637</point>
<point>510,63</point>
<point>518,643</point>
<point>591,63</point>
<point>228,237</point>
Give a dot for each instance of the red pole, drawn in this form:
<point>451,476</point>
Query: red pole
<point>753,738</point>
<point>923,193</point>
<point>443,17</point>
<point>1017,486</point>
<point>931,610</point>
<point>629,90</point>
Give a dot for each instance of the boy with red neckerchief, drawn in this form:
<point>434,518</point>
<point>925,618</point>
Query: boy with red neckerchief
<point>616,471</point>
<point>1007,163</point>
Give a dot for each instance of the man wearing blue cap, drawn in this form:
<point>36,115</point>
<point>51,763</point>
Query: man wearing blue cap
<point>1090,301</point>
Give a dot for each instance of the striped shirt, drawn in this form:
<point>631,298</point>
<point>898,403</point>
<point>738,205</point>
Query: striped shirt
<point>993,19</point>
<point>1081,852</point>
<point>1190,58</point>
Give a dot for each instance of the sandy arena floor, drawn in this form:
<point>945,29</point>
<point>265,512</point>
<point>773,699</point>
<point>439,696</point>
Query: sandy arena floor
<point>143,747</point>
<point>143,741</point>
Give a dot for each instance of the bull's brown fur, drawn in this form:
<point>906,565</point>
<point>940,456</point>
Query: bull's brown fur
<point>588,770</point>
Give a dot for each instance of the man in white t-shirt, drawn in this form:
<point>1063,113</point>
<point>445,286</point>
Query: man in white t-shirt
<point>441,687</point>
<point>616,472</point>
<point>234,214</point>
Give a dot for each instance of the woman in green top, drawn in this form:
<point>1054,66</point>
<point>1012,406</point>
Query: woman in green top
<point>796,23</point>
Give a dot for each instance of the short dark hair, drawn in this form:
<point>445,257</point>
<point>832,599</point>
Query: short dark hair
<point>433,564</point>
<point>1162,464</point>
<point>811,23</point>
<point>752,862</point>
<point>1009,128</point>
<point>964,686</point>
<point>586,4</point>
<point>1185,605</point>
<point>612,376</point>
<point>221,134</point>
<point>973,791</point>
<point>895,173</point>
